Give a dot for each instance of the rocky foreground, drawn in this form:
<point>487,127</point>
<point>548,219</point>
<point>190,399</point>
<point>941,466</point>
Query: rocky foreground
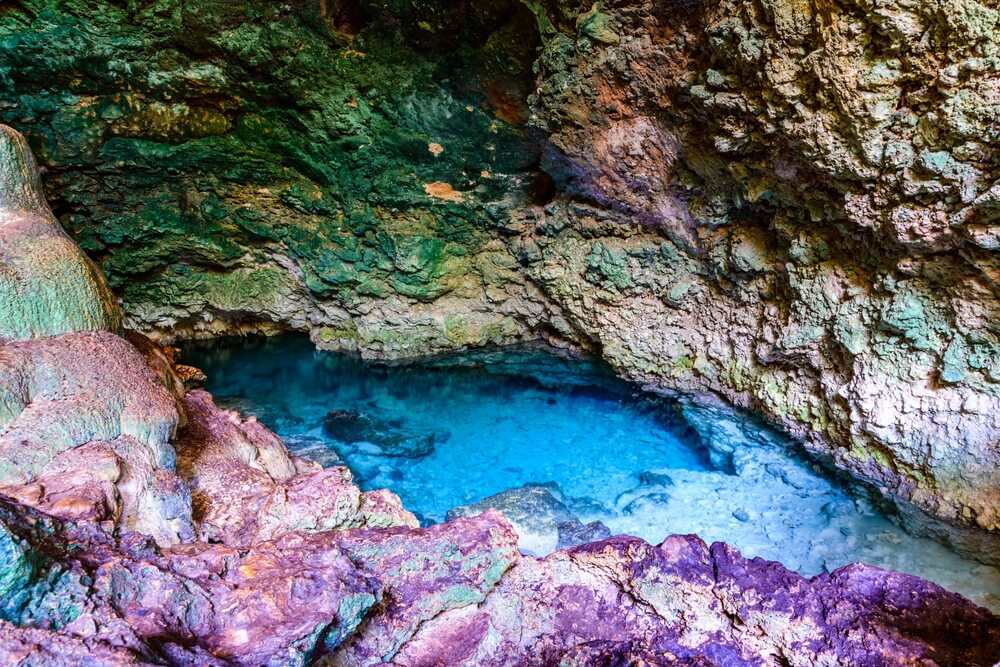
<point>140,524</point>
<point>455,594</point>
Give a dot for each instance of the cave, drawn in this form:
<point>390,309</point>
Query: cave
<point>570,453</point>
<point>533,332</point>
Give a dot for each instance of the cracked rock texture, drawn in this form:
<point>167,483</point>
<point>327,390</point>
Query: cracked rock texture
<point>457,593</point>
<point>791,205</point>
<point>266,559</point>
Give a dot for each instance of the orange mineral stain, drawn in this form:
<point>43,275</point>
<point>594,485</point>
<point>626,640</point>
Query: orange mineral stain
<point>440,190</point>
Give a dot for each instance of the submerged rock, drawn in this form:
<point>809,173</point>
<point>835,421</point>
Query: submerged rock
<point>313,448</point>
<point>573,533</point>
<point>542,521</point>
<point>376,437</point>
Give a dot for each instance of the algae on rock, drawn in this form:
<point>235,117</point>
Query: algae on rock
<point>791,205</point>
<point>259,166</point>
<point>47,285</point>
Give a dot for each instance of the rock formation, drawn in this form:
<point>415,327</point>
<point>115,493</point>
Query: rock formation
<point>789,206</point>
<point>93,425</point>
<point>456,594</point>
<point>47,285</point>
<point>252,557</point>
<point>291,564</point>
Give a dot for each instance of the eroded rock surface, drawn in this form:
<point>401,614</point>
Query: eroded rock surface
<point>372,435</point>
<point>337,180</point>
<point>542,521</point>
<point>793,206</point>
<point>456,594</point>
<point>767,216</point>
<point>247,488</point>
<point>623,597</point>
<point>85,432</point>
<point>47,285</point>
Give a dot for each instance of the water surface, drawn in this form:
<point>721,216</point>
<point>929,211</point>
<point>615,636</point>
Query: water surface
<point>452,432</point>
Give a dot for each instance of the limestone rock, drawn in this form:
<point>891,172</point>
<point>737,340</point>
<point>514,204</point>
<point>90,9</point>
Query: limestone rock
<point>787,206</point>
<point>542,521</point>
<point>790,207</point>
<point>457,593</point>
<point>757,209</point>
<point>85,430</point>
<point>200,604</point>
<point>698,605</point>
<point>35,647</point>
<point>47,285</point>
<point>374,436</point>
<point>247,488</point>
<point>300,196</point>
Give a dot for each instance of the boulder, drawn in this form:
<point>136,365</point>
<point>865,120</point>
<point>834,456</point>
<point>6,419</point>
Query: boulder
<point>374,436</point>
<point>247,488</point>
<point>542,520</point>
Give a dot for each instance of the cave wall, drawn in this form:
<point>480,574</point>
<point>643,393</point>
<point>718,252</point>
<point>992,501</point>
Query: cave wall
<point>793,205</point>
<point>254,166</point>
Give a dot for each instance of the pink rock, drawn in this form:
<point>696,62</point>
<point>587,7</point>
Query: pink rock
<point>92,392</point>
<point>247,487</point>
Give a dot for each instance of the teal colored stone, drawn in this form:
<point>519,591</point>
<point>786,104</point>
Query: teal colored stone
<point>47,285</point>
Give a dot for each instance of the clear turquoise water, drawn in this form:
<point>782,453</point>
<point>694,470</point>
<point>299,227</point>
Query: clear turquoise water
<point>533,417</point>
<point>638,463</point>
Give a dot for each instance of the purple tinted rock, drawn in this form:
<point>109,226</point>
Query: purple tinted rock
<point>460,593</point>
<point>36,647</point>
<point>685,603</point>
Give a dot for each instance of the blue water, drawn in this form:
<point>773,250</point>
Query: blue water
<point>451,432</point>
<point>498,423</point>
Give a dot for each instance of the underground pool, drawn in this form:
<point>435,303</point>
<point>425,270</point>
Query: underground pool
<point>568,452</point>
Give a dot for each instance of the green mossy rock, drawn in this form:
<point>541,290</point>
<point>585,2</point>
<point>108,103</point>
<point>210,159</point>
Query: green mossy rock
<point>191,143</point>
<point>47,285</point>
